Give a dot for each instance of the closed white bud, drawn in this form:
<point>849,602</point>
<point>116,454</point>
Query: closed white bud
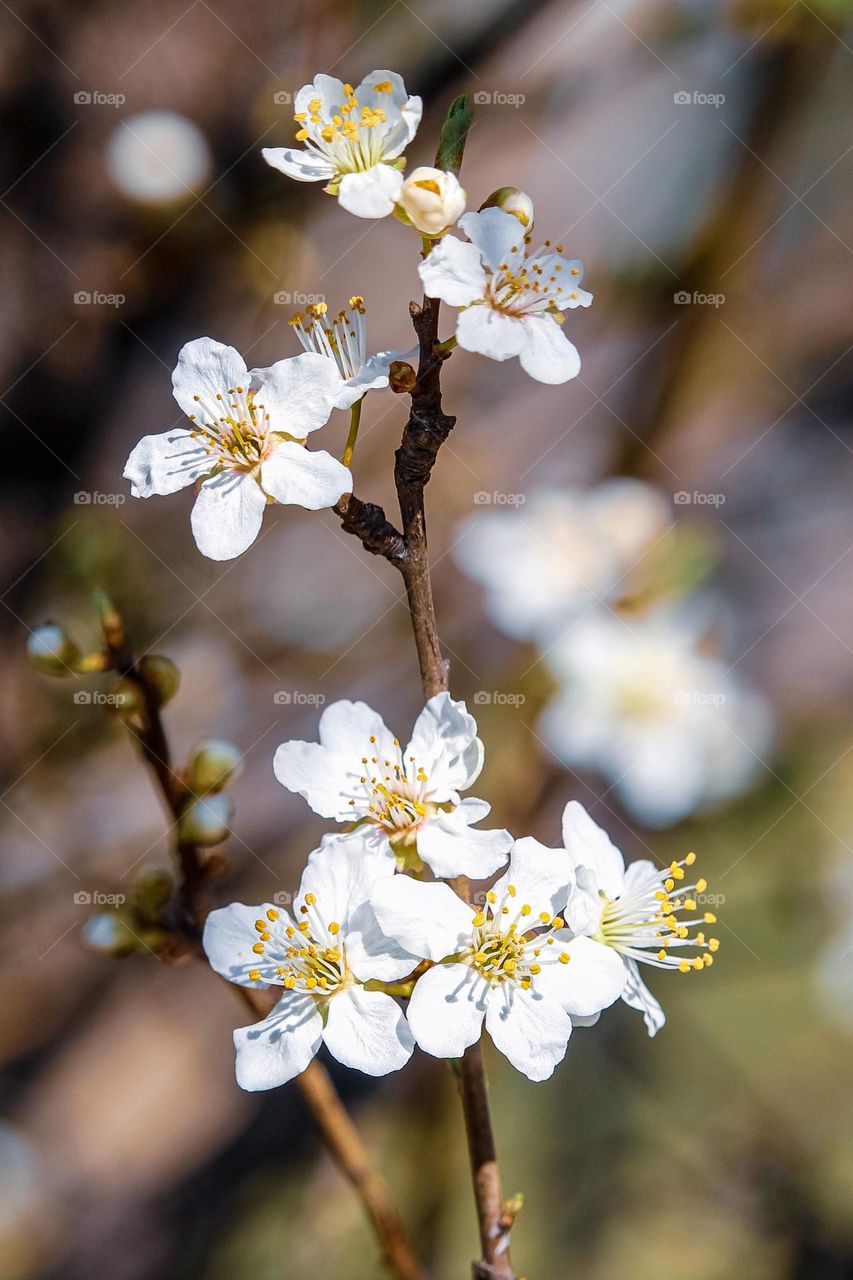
<point>213,766</point>
<point>205,821</point>
<point>51,650</point>
<point>513,201</point>
<point>432,200</point>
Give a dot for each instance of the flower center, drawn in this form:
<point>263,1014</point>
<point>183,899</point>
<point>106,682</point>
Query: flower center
<point>232,428</point>
<point>352,136</point>
<point>510,944</point>
<point>537,285</point>
<point>655,921</point>
<point>306,957</point>
<point>344,338</point>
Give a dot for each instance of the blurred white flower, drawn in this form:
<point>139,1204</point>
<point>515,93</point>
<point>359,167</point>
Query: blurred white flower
<point>344,340</point>
<point>354,137</point>
<point>643,913</point>
<point>432,199</point>
<point>511,301</point>
<point>512,963</point>
<point>158,157</point>
<point>669,725</point>
<point>321,954</point>
<point>246,445</point>
<point>409,800</point>
<point>563,550</point>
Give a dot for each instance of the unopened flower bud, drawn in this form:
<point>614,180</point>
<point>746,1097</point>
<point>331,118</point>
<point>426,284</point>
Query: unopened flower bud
<point>401,377</point>
<point>152,890</point>
<point>513,201</point>
<point>214,764</point>
<point>432,199</point>
<point>126,698</point>
<point>161,675</point>
<point>206,820</point>
<point>108,933</point>
<point>51,650</point>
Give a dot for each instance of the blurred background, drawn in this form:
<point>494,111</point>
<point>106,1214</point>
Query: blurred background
<point>696,156</point>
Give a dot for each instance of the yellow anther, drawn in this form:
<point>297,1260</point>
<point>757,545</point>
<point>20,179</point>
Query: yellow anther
<point>258,948</point>
<point>661,954</point>
<point>260,925</point>
<point>302,135</point>
<point>526,909</point>
<point>254,975</point>
<point>710,918</point>
<point>684,966</point>
<point>701,886</point>
<point>310,899</point>
<point>690,859</point>
<point>564,957</point>
<point>544,917</point>
<point>290,982</point>
<point>669,885</point>
<point>479,920</point>
<point>535,968</point>
<point>384,87</point>
<point>558,923</point>
<point>491,897</point>
<point>272,914</point>
<point>713,944</point>
<point>707,960</point>
<point>690,904</point>
<point>698,964</point>
<point>511,890</point>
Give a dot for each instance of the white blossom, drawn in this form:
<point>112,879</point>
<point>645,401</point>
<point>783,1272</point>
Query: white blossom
<point>321,953</point>
<point>512,301</point>
<point>667,723</point>
<point>354,140</point>
<point>246,443</point>
<point>560,552</point>
<point>432,200</point>
<point>407,799</point>
<point>344,340</point>
<point>511,964</point>
<point>642,913</point>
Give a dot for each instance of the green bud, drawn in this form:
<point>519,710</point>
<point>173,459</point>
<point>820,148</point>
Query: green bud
<point>51,650</point>
<point>126,698</point>
<point>213,765</point>
<point>109,934</point>
<point>206,820</point>
<point>513,201</point>
<point>402,378</point>
<point>152,889</point>
<point>161,675</point>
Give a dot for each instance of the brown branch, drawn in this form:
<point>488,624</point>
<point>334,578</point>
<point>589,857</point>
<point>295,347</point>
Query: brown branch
<point>315,1084</point>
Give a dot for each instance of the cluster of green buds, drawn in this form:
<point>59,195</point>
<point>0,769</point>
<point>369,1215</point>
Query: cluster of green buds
<point>136,924</point>
<point>207,815</point>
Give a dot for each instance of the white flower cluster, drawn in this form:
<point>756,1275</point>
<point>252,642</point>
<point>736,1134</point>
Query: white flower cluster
<point>640,697</point>
<point>554,942</point>
<point>245,447</point>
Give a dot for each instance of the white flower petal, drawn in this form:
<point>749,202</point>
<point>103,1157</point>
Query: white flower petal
<point>309,478</point>
<point>227,515</point>
<point>304,166</point>
<point>492,333</point>
<point>366,1030</point>
<point>447,1008</point>
<point>589,846</point>
<point>531,1030</point>
<point>280,1047</point>
<point>499,237</point>
<point>229,935</point>
<point>453,272</point>
<point>166,463</point>
<point>299,393</point>
<point>327,773</point>
<point>330,91</point>
<point>371,953</point>
<point>206,368</point>
<point>637,995</point>
<point>341,873</point>
<point>441,740</point>
<point>371,193</point>
<point>548,356</point>
<point>450,847</point>
<point>540,876</point>
<point>428,920</point>
<point>591,981</point>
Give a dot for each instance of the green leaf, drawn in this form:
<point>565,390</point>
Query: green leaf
<point>454,134</point>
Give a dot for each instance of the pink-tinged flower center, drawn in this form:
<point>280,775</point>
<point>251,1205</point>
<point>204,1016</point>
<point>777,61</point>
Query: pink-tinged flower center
<point>510,944</point>
<point>307,956</point>
<point>232,429</point>
<point>656,921</point>
<point>352,137</point>
<point>543,282</point>
<point>395,792</point>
